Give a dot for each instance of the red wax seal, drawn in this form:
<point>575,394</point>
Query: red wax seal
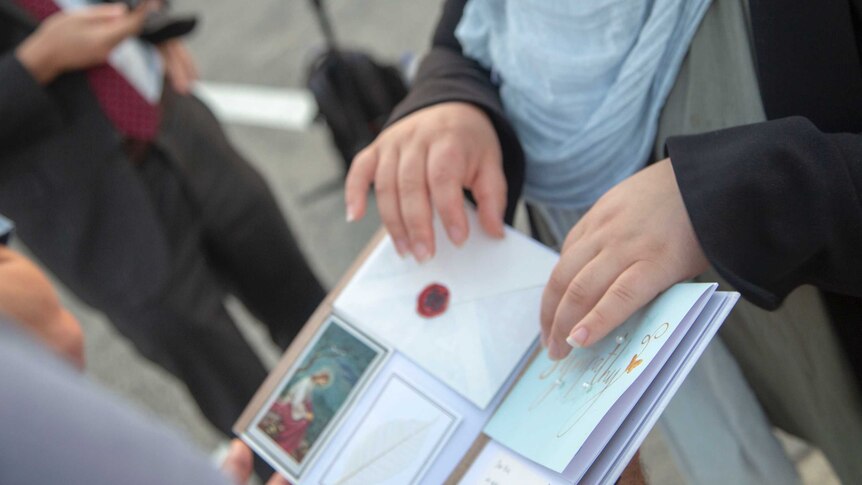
<point>433,300</point>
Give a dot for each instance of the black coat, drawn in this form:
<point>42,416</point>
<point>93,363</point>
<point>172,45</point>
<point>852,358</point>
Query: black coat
<point>66,182</point>
<point>775,205</point>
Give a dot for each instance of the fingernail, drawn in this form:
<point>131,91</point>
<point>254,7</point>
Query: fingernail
<point>578,337</point>
<point>420,251</point>
<point>401,247</point>
<point>553,350</point>
<point>351,213</point>
<point>456,234</point>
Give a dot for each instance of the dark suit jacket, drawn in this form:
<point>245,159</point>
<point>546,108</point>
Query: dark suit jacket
<point>775,205</point>
<point>65,180</point>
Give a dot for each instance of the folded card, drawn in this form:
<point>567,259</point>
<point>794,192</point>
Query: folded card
<point>402,366</point>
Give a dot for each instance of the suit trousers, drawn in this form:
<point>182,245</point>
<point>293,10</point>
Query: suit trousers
<point>226,234</point>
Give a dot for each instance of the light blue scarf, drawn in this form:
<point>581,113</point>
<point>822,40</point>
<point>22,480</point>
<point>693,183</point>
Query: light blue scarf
<point>582,82</point>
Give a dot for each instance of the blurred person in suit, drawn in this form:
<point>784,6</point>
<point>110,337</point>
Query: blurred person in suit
<point>125,187</point>
<point>42,437</point>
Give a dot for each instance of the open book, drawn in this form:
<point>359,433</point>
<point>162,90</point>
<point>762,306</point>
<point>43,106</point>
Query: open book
<point>431,373</point>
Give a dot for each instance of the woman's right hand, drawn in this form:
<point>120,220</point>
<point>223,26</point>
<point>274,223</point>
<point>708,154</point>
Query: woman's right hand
<point>423,163</point>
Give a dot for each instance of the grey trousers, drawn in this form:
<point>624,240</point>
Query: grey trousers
<point>226,235</point>
<point>782,368</point>
<point>791,358</point>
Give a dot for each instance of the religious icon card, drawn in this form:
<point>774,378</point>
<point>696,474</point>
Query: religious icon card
<point>298,418</point>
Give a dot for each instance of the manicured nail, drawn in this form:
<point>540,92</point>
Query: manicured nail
<point>351,213</point>
<point>401,247</point>
<point>420,251</point>
<point>457,235</point>
<point>579,337</point>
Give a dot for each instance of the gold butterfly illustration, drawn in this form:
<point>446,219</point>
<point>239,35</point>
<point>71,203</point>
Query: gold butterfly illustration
<point>633,364</point>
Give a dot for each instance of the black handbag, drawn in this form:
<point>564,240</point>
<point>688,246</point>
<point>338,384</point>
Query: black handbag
<point>354,93</point>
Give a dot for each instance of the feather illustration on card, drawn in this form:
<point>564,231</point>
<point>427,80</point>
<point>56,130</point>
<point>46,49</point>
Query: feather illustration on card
<point>384,452</point>
<point>396,441</point>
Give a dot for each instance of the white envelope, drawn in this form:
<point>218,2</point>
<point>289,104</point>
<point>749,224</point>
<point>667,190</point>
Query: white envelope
<point>493,314</point>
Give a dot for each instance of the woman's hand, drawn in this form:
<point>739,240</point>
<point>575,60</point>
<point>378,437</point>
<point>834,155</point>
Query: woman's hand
<point>634,243</point>
<point>423,163</point>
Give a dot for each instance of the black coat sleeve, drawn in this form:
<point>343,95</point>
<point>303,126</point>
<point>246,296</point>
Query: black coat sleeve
<point>26,107</point>
<point>445,74</point>
<point>775,205</point>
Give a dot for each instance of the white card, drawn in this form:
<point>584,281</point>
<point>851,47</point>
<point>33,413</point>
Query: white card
<point>492,317</point>
<point>497,465</point>
<point>398,439</point>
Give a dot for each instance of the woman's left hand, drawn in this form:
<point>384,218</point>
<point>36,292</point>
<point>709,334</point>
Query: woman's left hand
<point>634,243</point>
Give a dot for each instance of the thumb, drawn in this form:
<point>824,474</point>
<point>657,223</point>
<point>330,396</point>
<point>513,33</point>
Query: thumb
<point>238,463</point>
<point>277,479</point>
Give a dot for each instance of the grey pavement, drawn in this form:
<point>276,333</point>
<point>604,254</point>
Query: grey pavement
<point>269,43</point>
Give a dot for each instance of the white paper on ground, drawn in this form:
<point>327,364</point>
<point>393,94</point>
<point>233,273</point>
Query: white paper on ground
<point>493,316</point>
<point>279,108</point>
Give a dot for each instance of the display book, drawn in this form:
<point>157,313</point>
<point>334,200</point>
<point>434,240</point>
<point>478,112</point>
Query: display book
<point>432,373</point>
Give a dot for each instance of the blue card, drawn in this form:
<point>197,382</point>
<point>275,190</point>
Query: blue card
<point>555,406</point>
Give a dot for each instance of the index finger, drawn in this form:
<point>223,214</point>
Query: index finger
<point>358,181</point>
<point>634,288</point>
<point>581,295</point>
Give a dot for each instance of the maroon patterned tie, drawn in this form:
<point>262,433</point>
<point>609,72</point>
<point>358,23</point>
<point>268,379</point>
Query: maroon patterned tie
<point>131,114</point>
